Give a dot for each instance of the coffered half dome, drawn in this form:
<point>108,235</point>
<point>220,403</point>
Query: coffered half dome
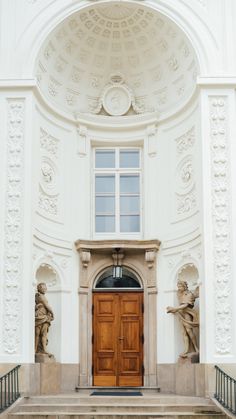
<point>117,58</point>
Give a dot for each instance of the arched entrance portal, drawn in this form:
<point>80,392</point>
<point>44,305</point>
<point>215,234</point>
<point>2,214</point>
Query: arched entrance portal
<point>118,330</point>
<point>127,311</point>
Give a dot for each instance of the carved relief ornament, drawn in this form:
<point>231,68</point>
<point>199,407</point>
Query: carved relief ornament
<point>117,99</point>
<point>186,141</point>
<point>49,176</point>
<point>220,178</point>
<point>13,245</point>
<point>96,256</point>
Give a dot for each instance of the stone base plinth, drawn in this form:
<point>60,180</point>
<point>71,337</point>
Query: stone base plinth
<point>192,358</point>
<point>44,358</point>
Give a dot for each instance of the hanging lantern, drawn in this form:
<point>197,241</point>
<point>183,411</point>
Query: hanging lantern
<point>117,267</point>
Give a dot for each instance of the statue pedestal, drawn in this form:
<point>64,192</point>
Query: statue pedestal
<point>191,358</point>
<point>44,358</point>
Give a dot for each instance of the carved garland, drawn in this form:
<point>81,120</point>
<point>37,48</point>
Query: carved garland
<point>13,227</point>
<point>221,223</point>
<point>185,187</point>
<point>48,198</point>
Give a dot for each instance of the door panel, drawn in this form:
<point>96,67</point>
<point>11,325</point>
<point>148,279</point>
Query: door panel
<point>104,332</point>
<point>130,332</point>
<point>131,347</point>
<point>117,331</point>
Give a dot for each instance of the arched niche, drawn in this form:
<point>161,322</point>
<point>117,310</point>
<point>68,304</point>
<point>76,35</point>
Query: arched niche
<point>189,273</point>
<point>88,59</point>
<point>46,273</point>
<point>49,275</point>
<point>200,34</point>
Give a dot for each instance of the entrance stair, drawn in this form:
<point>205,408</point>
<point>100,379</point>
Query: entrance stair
<point>149,406</point>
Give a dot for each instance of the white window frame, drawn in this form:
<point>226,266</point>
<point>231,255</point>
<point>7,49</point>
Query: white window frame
<point>117,172</point>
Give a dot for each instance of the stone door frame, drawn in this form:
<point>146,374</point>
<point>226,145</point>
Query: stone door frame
<point>138,256</point>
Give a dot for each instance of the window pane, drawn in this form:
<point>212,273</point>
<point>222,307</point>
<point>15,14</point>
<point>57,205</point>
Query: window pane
<point>130,223</point>
<point>129,184</point>
<point>105,224</point>
<point>105,159</point>
<point>105,184</point>
<point>129,158</point>
<point>105,204</point>
<point>129,204</point>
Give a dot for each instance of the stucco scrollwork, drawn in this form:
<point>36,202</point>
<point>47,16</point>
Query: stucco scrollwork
<point>220,177</point>
<point>186,141</point>
<point>47,173</point>
<point>47,203</point>
<point>187,203</point>
<point>13,227</point>
<point>185,175</point>
<point>49,177</point>
<point>187,172</point>
<point>185,196</point>
<point>48,143</point>
<point>116,100</point>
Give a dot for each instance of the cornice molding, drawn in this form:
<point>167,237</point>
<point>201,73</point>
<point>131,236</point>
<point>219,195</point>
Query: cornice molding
<point>17,83</point>
<point>217,82</point>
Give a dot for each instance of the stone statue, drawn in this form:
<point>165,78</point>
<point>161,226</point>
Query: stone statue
<point>43,317</point>
<point>188,317</point>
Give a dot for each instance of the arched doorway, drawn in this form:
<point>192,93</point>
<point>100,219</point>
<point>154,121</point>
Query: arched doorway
<point>118,330</point>
<point>139,270</point>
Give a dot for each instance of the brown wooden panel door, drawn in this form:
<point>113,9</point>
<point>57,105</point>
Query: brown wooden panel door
<point>104,336</point>
<point>117,336</point>
<point>131,348</point>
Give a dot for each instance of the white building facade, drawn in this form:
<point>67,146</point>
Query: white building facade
<point>141,94</point>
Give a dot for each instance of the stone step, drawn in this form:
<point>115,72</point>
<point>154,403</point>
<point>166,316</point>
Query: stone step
<point>115,415</point>
<point>145,399</point>
<point>105,407</point>
<point>148,406</point>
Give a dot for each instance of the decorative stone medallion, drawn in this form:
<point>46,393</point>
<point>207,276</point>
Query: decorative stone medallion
<point>116,100</point>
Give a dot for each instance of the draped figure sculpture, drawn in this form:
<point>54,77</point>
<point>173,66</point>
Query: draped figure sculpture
<point>188,317</point>
<point>43,317</point>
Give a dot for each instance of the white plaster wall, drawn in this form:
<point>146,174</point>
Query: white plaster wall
<point>56,225</point>
<point>179,231</point>
<point>54,235</point>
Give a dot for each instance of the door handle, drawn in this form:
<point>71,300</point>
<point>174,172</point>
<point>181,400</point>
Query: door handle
<point>121,337</point>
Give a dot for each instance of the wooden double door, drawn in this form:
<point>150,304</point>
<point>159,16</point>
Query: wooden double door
<point>118,339</point>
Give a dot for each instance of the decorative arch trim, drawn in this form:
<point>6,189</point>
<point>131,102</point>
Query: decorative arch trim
<point>139,256</point>
<point>203,41</point>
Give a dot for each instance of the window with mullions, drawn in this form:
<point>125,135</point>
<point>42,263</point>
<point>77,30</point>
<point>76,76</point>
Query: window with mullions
<point>117,190</point>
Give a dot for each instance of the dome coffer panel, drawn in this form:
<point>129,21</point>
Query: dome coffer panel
<point>154,57</point>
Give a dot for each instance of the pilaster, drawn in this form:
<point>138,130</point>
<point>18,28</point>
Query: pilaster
<point>218,215</point>
<point>16,283</point>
